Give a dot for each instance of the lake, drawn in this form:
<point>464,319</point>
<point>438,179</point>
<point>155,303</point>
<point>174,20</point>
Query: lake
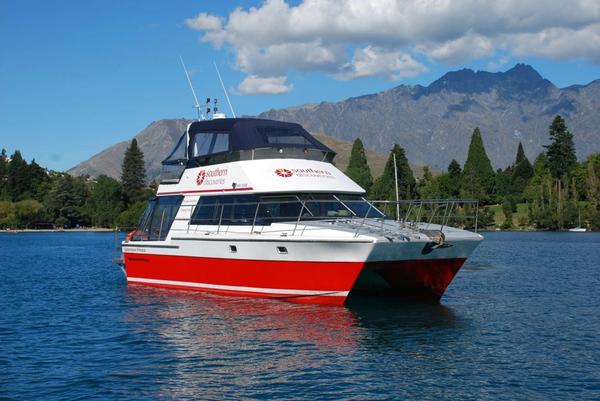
<point>520,321</point>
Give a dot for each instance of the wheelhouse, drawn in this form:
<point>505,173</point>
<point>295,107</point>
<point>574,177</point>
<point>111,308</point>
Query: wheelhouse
<point>226,140</point>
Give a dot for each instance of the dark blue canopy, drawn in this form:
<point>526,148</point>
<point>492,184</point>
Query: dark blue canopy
<point>253,133</point>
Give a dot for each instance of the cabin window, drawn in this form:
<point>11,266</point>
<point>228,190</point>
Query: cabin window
<point>272,208</point>
<point>229,210</point>
<point>283,136</point>
<point>208,143</point>
<point>158,218</point>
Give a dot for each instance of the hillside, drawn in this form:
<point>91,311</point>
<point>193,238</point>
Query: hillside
<point>434,123</point>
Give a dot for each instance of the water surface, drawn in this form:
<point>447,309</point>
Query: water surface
<point>520,321</point>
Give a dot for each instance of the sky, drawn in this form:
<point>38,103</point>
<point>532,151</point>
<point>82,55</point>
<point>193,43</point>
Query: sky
<point>79,76</point>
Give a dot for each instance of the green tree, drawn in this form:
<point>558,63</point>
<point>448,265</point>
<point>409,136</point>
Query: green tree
<point>106,202</point>
<point>133,172</point>
<point>428,185</point>
<point>7,215</point>
<point>521,174</point>
<point>3,176</point>
<point>131,217</point>
<point>18,177</point>
<point>358,167</point>
<point>384,186</point>
<point>561,151</point>
<point>65,201</point>
<point>507,209</point>
<point>27,212</point>
<point>478,174</point>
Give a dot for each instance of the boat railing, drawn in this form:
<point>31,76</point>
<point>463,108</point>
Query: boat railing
<point>360,215</point>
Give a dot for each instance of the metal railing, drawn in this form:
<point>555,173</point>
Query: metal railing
<point>360,215</point>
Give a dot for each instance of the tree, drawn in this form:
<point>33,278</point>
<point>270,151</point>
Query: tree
<point>18,177</point>
<point>384,186</point>
<point>478,174</point>
<point>64,202</point>
<point>106,202</point>
<point>521,173</point>
<point>3,176</point>
<point>428,185</point>
<point>27,212</point>
<point>451,184</point>
<point>133,172</point>
<point>507,209</point>
<point>358,167</point>
<point>561,151</point>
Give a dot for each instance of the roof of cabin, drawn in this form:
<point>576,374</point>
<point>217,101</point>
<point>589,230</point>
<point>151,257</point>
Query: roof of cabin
<point>254,133</point>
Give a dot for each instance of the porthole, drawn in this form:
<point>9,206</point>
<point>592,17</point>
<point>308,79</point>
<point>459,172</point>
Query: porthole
<point>282,249</point>
<point>232,248</point>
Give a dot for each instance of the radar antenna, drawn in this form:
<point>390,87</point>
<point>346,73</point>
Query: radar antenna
<point>224,90</point>
<point>197,105</point>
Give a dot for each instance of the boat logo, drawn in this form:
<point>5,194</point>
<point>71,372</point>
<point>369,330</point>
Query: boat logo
<point>283,172</point>
<point>201,176</point>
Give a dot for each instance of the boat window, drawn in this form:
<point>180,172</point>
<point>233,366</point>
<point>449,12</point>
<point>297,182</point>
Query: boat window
<point>360,206</point>
<point>158,218</point>
<point>283,136</point>
<point>231,210</point>
<point>178,155</point>
<point>321,206</point>
<point>242,209</point>
<point>208,143</point>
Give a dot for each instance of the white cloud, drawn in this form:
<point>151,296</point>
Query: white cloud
<point>255,85</point>
<point>373,61</point>
<point>204,22</point>
<point>316,35</point>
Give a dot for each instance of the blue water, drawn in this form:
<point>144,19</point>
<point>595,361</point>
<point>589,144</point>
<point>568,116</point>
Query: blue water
<point>520,321</point>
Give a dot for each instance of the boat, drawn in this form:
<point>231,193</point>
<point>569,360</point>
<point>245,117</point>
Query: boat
<point>255,207</point>
<point>578,229</point>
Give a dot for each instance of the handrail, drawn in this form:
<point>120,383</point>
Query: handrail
<point>356,214</point>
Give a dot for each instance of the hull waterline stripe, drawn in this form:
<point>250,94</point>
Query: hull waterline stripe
<point>238,288</point>
<point>206,190</point>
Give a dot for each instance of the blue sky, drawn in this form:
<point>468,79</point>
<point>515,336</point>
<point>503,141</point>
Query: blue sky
<point>79,76</point>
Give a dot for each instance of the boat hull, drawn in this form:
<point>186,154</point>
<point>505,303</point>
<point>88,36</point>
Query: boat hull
<point>399,270</point>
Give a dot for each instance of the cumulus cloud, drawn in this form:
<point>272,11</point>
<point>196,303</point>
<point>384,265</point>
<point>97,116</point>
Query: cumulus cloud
<point>255,85</point>
<point>317,35</point>
<point>373,61</point>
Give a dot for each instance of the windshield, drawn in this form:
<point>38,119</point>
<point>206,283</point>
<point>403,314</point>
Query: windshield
<point>266,209</point>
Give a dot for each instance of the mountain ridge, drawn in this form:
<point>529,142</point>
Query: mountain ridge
<point>433,123</point>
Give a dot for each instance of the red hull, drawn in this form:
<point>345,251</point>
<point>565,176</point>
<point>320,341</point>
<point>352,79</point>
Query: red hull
<point>310,282</point>
<point>305,282</point>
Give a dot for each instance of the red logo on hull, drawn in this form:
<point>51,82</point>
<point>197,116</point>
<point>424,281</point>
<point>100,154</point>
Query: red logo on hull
<point>201,176</point>
<point>283,172</point>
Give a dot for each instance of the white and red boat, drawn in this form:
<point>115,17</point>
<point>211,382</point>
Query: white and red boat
<point>256,208</point>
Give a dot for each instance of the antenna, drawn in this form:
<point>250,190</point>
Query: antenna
<point>197,105</point>
<point>224,90</point>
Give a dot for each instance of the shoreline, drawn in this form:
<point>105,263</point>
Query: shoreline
<point>59,230</point>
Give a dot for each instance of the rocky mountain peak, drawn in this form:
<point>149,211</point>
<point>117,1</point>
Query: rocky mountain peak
<point>521,77</point>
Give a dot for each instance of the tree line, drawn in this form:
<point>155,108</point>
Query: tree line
<point>556,191</point>
<point>33,197</point>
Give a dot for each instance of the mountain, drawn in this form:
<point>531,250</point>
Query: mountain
<point>434,123</point>
<point>159,138</point>
<point>156,141</point>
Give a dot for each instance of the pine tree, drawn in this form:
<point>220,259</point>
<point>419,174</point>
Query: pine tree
<point>384,187</point>
<point>478,174</point>
<point>561,152</point>
<point>3,176</point>
<point>521,173</point>
<point>454,169</point>
<point>133,173</point>
<point>358,167</point>
<point>18,177</point>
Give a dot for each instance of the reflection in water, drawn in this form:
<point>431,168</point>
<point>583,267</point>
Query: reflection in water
<point>255,343</point>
